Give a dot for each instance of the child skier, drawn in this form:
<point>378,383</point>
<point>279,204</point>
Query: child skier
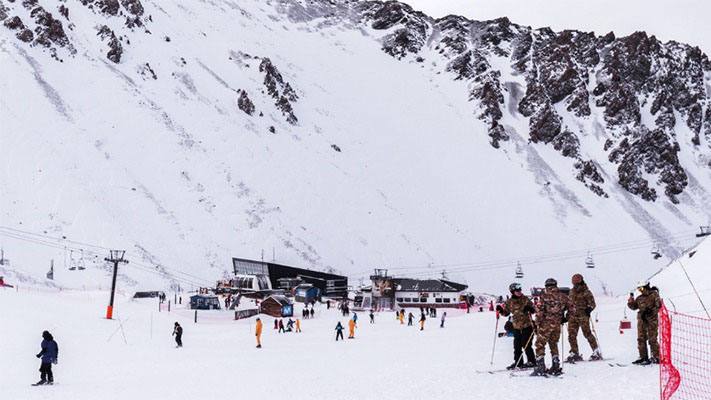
<point>178,333</point>
<point>339,331</point>
<point>49,355</point>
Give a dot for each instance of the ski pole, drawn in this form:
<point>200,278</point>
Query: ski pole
<point>592,325</point>
<point>562,345</point>
<point>496,329</point>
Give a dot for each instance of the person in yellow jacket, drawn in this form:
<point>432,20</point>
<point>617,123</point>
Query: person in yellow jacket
<point>259,333</point>
<point>402,317</point>
<point>298,325</point>
<point>351,329</point>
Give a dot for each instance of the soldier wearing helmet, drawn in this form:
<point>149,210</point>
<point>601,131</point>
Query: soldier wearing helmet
<point>584,303</point>
<point>648,303</point>
<point>520,308</point>
<point>551,314</point>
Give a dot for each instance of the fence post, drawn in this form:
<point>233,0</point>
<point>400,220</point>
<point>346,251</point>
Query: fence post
<point>235,315</point>
<point>168,305</point>
<point>196,316</point>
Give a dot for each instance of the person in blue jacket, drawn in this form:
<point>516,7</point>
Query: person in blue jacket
<point>49,356</point>
<point>355,317</point>
<point>339,331</point>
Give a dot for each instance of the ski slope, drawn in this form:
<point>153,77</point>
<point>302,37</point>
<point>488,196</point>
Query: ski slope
<point>219,358</point>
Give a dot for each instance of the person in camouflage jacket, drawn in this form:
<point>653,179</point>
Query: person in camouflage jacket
<point>648,304</point>
<point>551,313</point>
<point>520,307</point>
<point>584,303</point>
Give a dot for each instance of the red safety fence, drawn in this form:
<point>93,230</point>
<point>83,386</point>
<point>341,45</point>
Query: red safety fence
<point>685,356</point>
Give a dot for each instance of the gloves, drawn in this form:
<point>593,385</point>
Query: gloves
<point>588,311</point>
<point>499,308</point>
<point>56,361</point>
<point>564,319</point>
<point>529,309</point>
<point>39,355</point>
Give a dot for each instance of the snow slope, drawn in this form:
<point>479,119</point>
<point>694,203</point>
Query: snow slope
<point>386,360</point>
<point>386,167</point>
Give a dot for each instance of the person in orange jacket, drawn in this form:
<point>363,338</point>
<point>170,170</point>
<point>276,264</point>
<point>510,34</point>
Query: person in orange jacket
<point>298,325</point>
<point>351,329</point>
<point>402,317</point>
<point>259,333</point>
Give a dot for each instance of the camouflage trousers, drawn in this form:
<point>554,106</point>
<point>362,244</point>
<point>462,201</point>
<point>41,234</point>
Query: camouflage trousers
<point>582,323</point>
<point>647,332</point>
<point>547,335</point>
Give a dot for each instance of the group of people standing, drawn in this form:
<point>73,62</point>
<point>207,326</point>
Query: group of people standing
<point>554,309</point>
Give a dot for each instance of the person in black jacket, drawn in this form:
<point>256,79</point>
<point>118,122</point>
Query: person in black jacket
<point>49,355</point>
<point>178,333</point>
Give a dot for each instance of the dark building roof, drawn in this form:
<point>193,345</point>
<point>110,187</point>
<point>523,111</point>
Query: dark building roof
<point>427,285</point>
<point>281,300</point>
<point>339,283</point>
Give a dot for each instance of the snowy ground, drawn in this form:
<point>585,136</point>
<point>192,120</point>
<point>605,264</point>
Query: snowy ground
<point>219,358</point>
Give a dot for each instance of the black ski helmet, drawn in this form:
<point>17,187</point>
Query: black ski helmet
<point>551,282</point>
<point>514,287</point>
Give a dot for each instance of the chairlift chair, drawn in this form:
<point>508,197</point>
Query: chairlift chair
<point>656,251</point>
<point>80,264</point>
<point>705,231</point>
<point>72,261</point>
<point>519,271</point>
<point>589,261</point>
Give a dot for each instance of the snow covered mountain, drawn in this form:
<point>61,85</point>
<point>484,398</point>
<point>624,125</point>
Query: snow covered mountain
<point>344,135</point>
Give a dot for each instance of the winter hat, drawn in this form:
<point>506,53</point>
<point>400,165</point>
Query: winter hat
<point>551,282</point>
<point>46,335</point>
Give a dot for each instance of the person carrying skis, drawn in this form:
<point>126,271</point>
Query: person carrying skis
<point>422,321</point>
<point>372,317</point>
<point>351,328</point>
<point>444,315</point>
<point>258,331</point>
<point>178,333</point>
<point>520,307</point>
<point>552,308</point>
<point>339,331</point>
<point>410,318</point>
<point>583,303</point>
<point>648,303</point>
<point>49,355</point>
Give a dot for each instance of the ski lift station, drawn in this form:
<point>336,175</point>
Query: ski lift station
<point>388,293</point>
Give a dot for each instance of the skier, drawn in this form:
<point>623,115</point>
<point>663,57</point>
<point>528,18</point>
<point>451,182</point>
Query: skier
<point>355,317</point>
<point>372,317</point>
<point>276,324</point>
<point>298,325</point>
<point>281,326</point>
<point>583,303</point>
<point>289,325</point>
<point>422,322</point>
<point>312,312</point>
<point>444,315</point>
<point>551,315</point>
<point>49,355</point>
<point>259,333</point>
<point>351,328</point>
<point>339,331</point>
<point>178,333</point>
<point>520,307</point>
<point>402,317</point>
<point>410,318</point>
<point>648,303</point>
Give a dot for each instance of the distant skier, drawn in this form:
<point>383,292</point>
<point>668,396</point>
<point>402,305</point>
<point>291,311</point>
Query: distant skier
<point>372,317</point>
<point>298,325</point>
<point>520,307</point>
<point>281,326</point>
<point>410,318</point>
<point>312,312</point>
<point>276,324</point>
<point>289,325</point>
<point>444,315</point>
<point>339,331</point>
<point>258,331</point>
<point>583,303</point>
<point>551,315</point>
<point>178,333</point>
<point>49,355</point>
<point>402,317</point>
<point>422,321</point>
<point>355,317</point>
<point>648,303</point>
<point>351,328</point>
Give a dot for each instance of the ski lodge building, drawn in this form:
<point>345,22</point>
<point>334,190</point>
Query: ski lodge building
<point>389,293</point>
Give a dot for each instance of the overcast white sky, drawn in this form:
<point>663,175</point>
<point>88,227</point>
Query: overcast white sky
<point>687,21</point>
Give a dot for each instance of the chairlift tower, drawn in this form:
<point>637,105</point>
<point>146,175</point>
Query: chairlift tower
<point>116,257</point>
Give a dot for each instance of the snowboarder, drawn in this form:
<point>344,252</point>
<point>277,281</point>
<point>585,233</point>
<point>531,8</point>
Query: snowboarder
<point>49,355</point>
<point>258,330</point>
<point>551,314</point>
<point>583,303</point>
<point>648,303</point>
<point>410,318</point>
<point>372,317</point>
<point>298,325</point>
<point>444,315</point>
<point>422,322</point>
<point>351,328</point>
<point>178,333</point>
<point>520,307</point>
<point>339,331</point>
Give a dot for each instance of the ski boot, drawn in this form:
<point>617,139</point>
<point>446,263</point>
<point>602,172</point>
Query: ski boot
<point>596,355</point>
<point>40,383</point>
<point>555,367</point>
<point>641,361</point>
<point>540,368</point>
<point>573,357</point>
<point>529,365</point>
<point>653,360</point>
<point>259,346</point>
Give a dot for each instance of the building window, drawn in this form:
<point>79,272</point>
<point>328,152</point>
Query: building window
<point>423,300</point>
<point>438,300</point>
<point>447,299</point>
<point>399,299</point>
